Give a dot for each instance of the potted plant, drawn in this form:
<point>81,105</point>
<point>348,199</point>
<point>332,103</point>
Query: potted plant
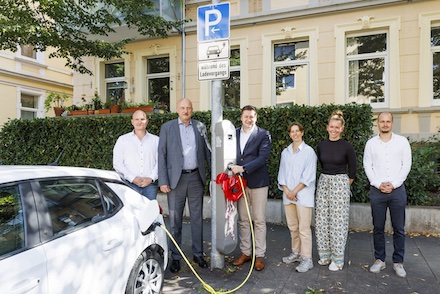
<point>129,107</point>
<point>147,107</point>
<point>160,107</point>
<point>105,108</point>
<point>115,105</point>
<point>89,108</point>
<point>97,104</point>
<point>57,99</point>
<point>75,110</point>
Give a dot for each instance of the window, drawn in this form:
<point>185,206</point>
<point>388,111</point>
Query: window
<point>435,45</point>
<point>231,87</point>
<point>28,51</point>
<point>29,106</point>
<point>158,80</point>
<point>115,82</point>
<point>11,220</point>
<point>75,203</point>
<point>291,73</point>
<point>367,63</point>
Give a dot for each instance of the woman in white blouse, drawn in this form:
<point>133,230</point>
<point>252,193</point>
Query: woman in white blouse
<point>297,178</point>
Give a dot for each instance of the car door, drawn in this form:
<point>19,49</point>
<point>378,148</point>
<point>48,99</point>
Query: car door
<point>22,258</point>
<point>89,235</point>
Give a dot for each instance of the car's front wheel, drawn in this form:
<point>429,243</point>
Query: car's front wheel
<point>147,274</point>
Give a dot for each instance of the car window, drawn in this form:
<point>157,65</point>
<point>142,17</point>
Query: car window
<point>111,203</point>
<point>11,220</point>
<point>73,203</point>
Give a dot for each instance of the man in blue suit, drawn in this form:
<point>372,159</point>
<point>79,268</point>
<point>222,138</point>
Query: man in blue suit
<point>253,150</point>
<point>183,150</point>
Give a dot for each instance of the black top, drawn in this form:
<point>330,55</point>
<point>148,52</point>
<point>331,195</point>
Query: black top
<point>334,157</point>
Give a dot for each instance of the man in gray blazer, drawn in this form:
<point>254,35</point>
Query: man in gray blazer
<point>183,150</point>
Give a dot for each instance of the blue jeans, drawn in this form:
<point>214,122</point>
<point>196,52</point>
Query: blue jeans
<point>396,202</point>
<point>149,191</point>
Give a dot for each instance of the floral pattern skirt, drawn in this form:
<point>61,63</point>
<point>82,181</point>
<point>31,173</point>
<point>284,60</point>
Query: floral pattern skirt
<point>331,217</point>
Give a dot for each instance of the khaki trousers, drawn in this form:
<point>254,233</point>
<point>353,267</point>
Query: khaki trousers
<point>299,219</point>
<point>257,200</point>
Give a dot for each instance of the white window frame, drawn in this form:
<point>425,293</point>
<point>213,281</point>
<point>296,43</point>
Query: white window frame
<point>366,56</point>
<point>140,84</point>
<point>116,79</point>
<point>268,41</point>
<point>154,76</point>
<point>426,22</point>
<point>276,64</point>
<point>434,49</point>
<point>100,79</point>
<point>39,56</point>
<point>234,69</point>
<point>392,27</point>
<point>39,95</point>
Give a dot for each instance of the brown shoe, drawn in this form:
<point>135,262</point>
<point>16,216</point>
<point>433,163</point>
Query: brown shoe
<point>242,259</point>
<point>259,265</point>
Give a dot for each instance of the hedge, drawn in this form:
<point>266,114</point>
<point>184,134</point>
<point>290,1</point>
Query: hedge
<point>88,141</point>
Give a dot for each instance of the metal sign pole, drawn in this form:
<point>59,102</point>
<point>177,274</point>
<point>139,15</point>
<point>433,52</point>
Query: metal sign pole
<point>217,259</point>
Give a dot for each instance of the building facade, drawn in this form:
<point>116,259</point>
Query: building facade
<point>382,52</point>
<point>26,78</point>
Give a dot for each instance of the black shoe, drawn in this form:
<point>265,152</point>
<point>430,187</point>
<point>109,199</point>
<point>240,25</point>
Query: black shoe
<point>175,266</point>
<point>200,261</point>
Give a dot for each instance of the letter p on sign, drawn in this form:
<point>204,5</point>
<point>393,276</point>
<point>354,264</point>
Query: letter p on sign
<point>213,22</point>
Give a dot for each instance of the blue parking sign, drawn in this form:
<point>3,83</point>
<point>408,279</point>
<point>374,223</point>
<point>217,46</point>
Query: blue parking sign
<point>213,22</point>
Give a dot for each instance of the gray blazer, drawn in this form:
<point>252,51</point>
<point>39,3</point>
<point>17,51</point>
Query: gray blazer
<point>171,153</point>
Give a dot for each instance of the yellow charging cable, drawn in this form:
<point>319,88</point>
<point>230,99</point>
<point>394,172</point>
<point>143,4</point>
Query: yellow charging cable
<point>205,285</point>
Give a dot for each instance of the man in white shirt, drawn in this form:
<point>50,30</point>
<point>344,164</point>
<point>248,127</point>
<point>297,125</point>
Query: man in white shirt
<point>135,157</point>
<point>387,163</point>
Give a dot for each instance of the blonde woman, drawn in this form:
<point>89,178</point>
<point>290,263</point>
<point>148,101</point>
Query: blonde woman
<point>338,162</point>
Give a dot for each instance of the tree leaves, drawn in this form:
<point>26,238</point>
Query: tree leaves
<point>77,29</point>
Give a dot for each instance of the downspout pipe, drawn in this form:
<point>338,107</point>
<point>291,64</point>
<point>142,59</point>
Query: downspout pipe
<point>183,75</point>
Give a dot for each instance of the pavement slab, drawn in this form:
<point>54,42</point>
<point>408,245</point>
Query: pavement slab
<point>422,263</point>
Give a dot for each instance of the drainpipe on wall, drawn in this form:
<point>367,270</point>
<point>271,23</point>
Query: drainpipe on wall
<point>183,75</point>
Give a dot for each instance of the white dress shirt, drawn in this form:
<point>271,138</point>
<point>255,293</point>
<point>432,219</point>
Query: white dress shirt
<point>244,137</point>
<point>387,161</point>
<point>133,157</point>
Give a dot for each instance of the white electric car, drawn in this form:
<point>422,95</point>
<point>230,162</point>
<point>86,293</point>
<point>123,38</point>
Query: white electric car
<point>77,230</point>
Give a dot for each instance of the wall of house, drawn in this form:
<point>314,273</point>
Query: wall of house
<point>257,25</point>
<point>36,77</point>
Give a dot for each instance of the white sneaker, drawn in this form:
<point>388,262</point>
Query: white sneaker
<point>324,261</point>
<point>305,265</point>
<point>377,266</point>
<point>400,271</point>
<point>334,267</point>
<point>293,257</point>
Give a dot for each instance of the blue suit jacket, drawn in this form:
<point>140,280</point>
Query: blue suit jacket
<point>255,156</point>
<point>170,158</point>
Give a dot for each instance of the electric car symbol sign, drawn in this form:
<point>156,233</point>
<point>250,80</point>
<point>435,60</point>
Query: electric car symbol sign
<point>213,22</point>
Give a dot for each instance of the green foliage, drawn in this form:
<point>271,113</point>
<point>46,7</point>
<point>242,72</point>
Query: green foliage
<point>79,28</point>
<point>54,98</point>
<point>8,206</point>
<point>424,176</point>
<point>88,141</point>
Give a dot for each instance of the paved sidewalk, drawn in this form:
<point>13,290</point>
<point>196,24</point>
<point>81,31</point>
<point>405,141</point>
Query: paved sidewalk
<point>422,263</point>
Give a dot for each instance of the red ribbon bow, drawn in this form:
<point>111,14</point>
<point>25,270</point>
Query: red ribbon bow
<point>231,186</point>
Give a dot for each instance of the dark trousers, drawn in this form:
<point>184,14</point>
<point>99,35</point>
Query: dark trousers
<point>190,186</point>
<point>396,202</point>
